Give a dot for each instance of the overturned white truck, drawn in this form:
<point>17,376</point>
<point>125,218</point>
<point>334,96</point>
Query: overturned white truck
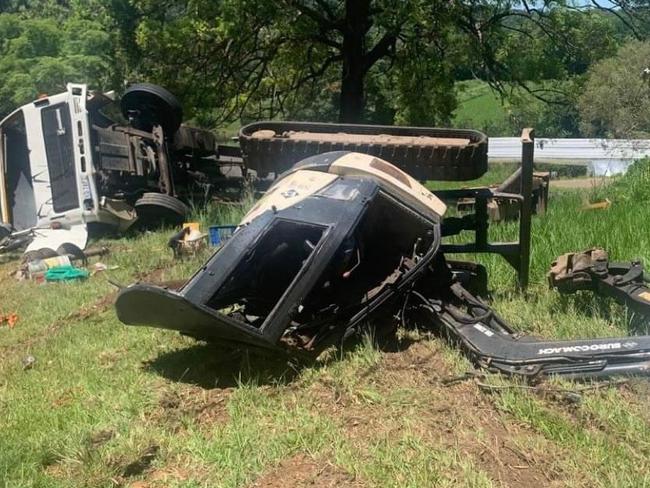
<point>77,159</point>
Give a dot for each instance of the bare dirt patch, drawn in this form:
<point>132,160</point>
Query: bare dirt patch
<point>459,416</point>
<point>205,407</point>
<point>302,471</point>
<point>411,393</point>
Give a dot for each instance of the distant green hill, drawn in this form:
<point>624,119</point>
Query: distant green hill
<point>479,108</point>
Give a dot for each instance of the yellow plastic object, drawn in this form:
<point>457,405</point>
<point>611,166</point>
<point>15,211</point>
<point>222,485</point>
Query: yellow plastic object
<point>193,226</point>
<point>603,205</point>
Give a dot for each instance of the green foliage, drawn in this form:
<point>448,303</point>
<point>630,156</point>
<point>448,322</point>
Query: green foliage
<point>557,117</point>
<point>483,108</point>
<point>565,44</point>
<point>240,60</point>
<point>256,59</point>
<point>632,187</point>
<point>546,62</point>
<point>424,86</point>
<point>41,55</point>
<point>616,98</point>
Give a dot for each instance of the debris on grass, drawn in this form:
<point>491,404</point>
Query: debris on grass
<point>65,273</point>
<point>600,205</point>
<point>38,269</point>
<point>626,282</point>
<point>11,319</point>
<point>188,241</point>
<point>28,362</point>
<point>344,235</point>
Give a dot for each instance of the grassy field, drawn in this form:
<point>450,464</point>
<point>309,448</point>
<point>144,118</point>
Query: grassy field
<point>479,107</point>
<point>105,405</point>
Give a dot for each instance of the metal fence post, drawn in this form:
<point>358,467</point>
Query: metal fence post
<point>527,159</point>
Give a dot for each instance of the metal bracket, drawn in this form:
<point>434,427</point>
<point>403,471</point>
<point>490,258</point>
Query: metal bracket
<point>516,253</point>
<point>591,270</point>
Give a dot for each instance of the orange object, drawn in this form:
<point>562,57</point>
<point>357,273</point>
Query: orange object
<point>11,319</point>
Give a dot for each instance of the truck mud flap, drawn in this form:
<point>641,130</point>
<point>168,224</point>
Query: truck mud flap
<point>491,344</point>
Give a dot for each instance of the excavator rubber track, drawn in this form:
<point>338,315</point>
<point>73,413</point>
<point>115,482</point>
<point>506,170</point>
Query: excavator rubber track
<point>423,153</point>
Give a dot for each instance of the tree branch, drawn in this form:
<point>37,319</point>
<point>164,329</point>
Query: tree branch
<point>381,49</point>
<point>618,16</point>
<point>324,24</point>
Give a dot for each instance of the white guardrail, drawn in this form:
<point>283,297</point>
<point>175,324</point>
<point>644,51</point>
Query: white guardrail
<point>578,151</point>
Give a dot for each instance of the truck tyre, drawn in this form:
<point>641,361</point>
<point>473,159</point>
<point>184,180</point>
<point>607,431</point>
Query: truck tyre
<point>155,209</point>
<point>150,105</point>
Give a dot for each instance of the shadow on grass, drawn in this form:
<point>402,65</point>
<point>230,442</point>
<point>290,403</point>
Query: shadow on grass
<point>214,366</point>
<point>217,366</point>
<point>596,306</point>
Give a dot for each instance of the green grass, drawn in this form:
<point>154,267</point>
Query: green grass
<point>479,107</point>
<point>495,174</point>
<point>100,394</point>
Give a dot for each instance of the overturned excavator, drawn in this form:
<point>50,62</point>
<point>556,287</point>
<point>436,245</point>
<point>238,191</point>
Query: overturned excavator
<point>343,237</point>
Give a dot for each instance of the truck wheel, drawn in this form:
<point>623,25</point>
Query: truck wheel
<point>151,105</point>
<point>155,209</point>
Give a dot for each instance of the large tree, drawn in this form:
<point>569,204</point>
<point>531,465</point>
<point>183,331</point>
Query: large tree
<point>41,55</point>
<point>352,60</point>
<point>45,44</point>
<point>616,99</point>
<point>259,58</point>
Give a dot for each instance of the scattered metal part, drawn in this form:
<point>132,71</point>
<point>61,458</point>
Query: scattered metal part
<point>446,307</point>
<point>516,253</point>
<point>591,270</point>
<point>505,201</point>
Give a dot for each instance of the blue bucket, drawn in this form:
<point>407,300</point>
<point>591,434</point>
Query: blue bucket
<point>220,233</point>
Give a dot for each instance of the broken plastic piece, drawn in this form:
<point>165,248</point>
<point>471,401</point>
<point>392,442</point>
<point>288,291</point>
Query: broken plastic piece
<point>336,237</point>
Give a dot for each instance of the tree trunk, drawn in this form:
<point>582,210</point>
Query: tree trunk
<point>357,23</point>
<point>352,95</point>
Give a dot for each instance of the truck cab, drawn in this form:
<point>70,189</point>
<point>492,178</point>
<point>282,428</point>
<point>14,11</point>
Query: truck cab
<point>80,158</point>
<point>46,164</point>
